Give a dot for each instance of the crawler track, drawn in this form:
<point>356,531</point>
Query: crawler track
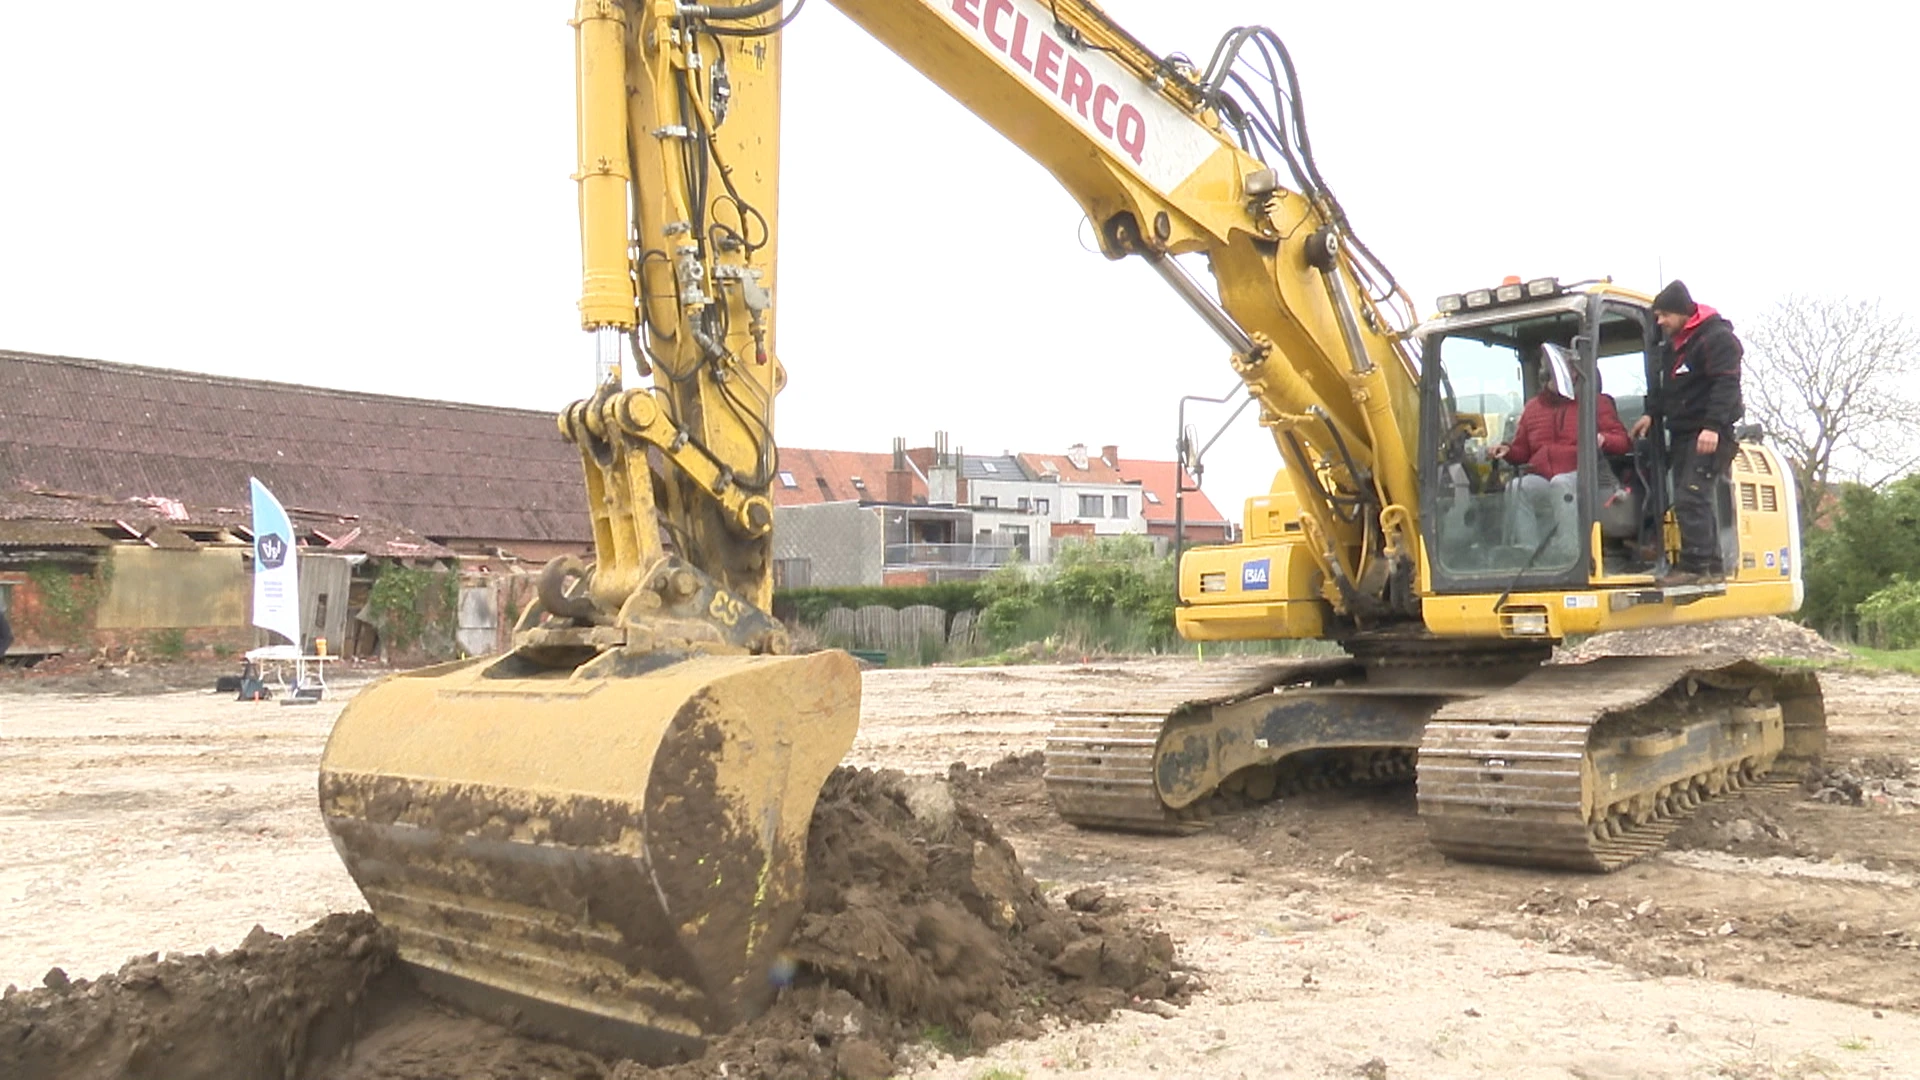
<point>1579,767</point>
<point>1591,766</point>
<point>1101,753</point>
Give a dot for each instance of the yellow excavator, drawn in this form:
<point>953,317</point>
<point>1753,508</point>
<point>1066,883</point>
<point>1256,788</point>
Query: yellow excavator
<point>601,834</point>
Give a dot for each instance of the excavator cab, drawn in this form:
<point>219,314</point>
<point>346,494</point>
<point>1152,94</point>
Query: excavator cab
<point>1496,521</point>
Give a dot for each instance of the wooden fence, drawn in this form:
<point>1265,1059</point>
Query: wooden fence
<point>898,631</point>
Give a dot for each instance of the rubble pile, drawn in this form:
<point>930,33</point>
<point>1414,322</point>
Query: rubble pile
<point>1758,638</point>
<point>1881,780</point>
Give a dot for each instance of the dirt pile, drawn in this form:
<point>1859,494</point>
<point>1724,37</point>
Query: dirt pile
<point>1745,827</point>
<point>920,927</point>
<point>264,1009</point>
<point>1756,637</point>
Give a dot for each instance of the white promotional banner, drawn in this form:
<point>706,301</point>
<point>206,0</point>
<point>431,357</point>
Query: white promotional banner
<point>276,567</point>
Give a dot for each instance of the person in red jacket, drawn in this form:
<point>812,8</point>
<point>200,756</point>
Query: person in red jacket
<point>1547,442</point>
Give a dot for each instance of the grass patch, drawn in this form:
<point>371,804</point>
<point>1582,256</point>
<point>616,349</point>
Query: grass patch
<point>1003,1074</point>
<point>1759,1066</point>
<point>946,1040</point>
<point>1904,661</point>
<point>1863,659</point>
<point>1805,663</point>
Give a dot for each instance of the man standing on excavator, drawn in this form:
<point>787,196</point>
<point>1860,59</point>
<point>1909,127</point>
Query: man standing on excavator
<point>1699,399</point>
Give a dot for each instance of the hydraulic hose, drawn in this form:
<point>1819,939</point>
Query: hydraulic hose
<point>740,11</point>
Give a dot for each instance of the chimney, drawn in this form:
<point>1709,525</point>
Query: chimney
<point>899,478</point>
<point>1111,455</point>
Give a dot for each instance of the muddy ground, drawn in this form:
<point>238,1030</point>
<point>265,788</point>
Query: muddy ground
<point>1780,937</point>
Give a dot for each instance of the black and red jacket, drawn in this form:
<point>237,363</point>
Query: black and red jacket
<point>1701,384</point>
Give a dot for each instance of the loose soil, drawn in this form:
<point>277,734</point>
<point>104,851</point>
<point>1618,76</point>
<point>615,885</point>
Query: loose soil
<point>1778,937</point>
<point>918,920</point>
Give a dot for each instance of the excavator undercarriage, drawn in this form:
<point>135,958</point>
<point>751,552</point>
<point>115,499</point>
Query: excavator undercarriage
<point>1576,766</point>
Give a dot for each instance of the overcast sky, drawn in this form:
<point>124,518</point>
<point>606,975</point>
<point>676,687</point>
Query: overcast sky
<point>375,196</point>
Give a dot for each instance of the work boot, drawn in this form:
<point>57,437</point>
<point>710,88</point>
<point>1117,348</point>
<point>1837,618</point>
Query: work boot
<point>1676,578</point>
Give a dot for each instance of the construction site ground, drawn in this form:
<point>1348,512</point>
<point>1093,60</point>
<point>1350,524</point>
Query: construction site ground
<point>1780,937</point>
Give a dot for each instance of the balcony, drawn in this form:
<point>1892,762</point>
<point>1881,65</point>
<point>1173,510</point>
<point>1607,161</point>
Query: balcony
<point>981,556</point>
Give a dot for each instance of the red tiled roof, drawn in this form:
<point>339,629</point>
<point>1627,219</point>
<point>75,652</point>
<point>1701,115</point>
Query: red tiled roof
<point>1158,477</point>
<point>823,476</point>
<point>437,468</point>
<point>1096,472</point>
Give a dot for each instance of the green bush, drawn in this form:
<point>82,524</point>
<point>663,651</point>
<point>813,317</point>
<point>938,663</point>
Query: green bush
<point>1890,618</point>
<point>68,600</point>
<point>168,644</point>
<point>1112,594</point>
<point>1873,537</point>
<point>414,608</point>
<point>812,605</point>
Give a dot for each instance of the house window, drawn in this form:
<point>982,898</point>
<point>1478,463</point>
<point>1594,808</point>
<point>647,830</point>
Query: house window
<point>1026,505</point>
<point>1150,497</point>
<point>1042,506</point>
<point>1119,506</point>
<point>989,501</point>
<point>792,573</point>
<point>787,480</point>
<point>1092,505</point>
<point>990,466</point>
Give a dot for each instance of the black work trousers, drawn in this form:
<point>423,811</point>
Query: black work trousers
<point>1696,482</point>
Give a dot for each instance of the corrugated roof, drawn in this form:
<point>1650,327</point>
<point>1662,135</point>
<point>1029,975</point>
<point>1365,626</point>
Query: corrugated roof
<point>437,468</point>
<point>1157,479</point>
<point>63,519</point>
<point>42,534</point>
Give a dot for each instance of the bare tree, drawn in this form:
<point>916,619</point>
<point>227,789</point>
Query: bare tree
<point>1832,381</point>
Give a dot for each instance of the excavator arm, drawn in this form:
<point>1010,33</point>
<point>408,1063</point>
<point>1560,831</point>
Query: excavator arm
<point>678,174</point>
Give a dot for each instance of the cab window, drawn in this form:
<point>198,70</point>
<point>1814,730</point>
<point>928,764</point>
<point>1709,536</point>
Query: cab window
<point>1622,363</point>
<point>1494,517</point>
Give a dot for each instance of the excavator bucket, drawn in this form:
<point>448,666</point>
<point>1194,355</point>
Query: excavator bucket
<point>611,856</point>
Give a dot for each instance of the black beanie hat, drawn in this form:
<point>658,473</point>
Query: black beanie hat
<point>1675,299</point>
